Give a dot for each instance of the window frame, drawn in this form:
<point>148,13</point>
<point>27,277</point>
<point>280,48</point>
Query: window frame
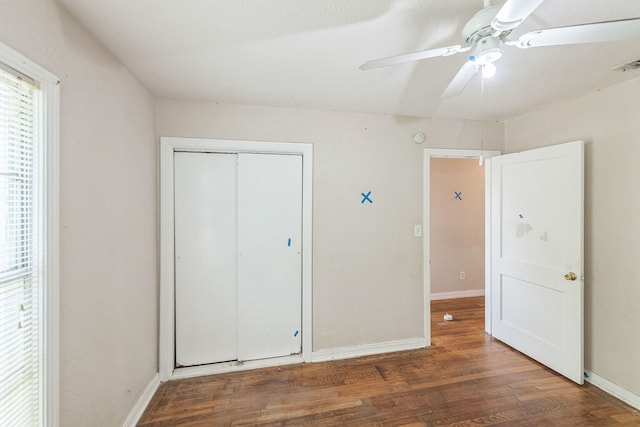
<point>46,143</point>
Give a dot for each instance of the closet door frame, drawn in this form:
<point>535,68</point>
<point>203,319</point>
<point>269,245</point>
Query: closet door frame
<point>170,145</point>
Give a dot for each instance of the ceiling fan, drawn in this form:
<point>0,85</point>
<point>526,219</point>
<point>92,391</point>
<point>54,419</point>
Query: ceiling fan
<point>486,34</point>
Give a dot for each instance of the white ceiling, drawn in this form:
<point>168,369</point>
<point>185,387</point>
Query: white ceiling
<point>306,53</point>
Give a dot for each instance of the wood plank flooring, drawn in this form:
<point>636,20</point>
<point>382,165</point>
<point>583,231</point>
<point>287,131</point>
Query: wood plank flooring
<point>464,379</point>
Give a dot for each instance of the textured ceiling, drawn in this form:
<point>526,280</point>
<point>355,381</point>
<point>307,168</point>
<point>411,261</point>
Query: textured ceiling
<point>306,53</point>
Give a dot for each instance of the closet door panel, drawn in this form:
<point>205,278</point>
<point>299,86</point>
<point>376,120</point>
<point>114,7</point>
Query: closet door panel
<point>269,255</point>
<point>205,257</point>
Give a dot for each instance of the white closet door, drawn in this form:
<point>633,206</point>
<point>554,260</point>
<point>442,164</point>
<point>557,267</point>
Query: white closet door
<point>205,257</point>
<point>269,257</point>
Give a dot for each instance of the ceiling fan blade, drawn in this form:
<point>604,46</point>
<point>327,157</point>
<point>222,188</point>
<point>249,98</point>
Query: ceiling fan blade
<point>512,13</point>
<point>461,80</point>
<point>415,56</point>
<point>588,33</point>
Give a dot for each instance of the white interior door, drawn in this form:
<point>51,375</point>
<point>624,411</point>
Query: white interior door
<point>537,255</point>
<point>205,258</point>
<point>269,258</point>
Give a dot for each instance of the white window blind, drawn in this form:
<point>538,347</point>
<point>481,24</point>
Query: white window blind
<point>20,324</point>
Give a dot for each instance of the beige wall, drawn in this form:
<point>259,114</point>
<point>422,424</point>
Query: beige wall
<point>108,215</point>
<point>367,272</point>
<point>456,226</point>
<point>608,120</point>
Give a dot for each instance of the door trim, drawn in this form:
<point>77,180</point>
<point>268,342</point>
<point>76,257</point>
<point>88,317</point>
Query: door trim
<point>426,221</point>
<point>169,145</point>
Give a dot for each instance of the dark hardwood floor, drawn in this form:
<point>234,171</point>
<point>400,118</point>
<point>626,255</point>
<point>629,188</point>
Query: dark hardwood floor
<point>464,379</point>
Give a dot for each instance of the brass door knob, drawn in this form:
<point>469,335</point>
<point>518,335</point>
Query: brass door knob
<point>570,276</point>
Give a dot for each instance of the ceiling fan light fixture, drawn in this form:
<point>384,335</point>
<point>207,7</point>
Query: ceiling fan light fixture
<point>488,70</point>
<point>488,51</point>
<point>487,32</point>
<point>488,56</point>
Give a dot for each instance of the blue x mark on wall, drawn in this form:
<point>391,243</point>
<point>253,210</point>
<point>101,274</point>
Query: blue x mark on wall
<point>458,195</point>
<point>365,198</point>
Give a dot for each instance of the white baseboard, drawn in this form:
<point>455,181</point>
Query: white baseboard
<point>143,401</point>
<point>367,349</point>
<point>613,389</point>
<point>457,294</point>
<point>224,367</point>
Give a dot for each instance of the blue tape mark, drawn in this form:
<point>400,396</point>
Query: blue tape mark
<point>289,242</point>
<point>458,195</point>
<point>521,216</point>
<point>365,197</point>
<point>295,334</point>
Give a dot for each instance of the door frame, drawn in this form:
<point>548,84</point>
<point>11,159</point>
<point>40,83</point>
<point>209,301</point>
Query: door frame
<point>426,221</point>
<point>168,146</point>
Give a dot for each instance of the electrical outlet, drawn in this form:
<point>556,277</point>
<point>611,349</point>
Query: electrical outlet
<point>462,275</point>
